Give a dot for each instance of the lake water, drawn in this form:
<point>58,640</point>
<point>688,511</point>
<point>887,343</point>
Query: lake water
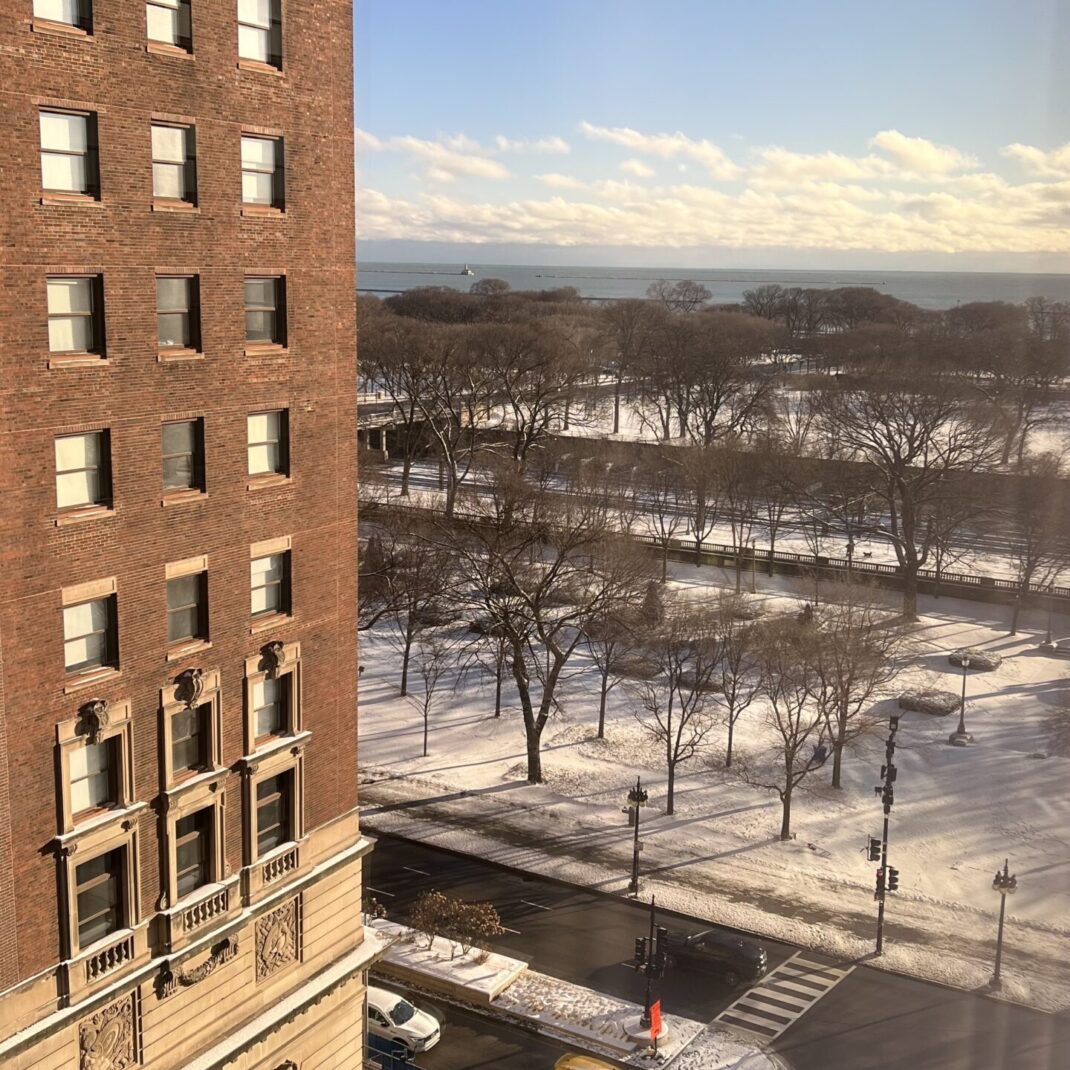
<point>927,289</point>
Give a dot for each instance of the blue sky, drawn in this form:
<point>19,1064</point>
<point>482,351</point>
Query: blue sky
<point>901,135</point>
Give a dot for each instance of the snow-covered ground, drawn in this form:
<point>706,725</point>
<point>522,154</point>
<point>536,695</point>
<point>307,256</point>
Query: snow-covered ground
<point>958,812</point>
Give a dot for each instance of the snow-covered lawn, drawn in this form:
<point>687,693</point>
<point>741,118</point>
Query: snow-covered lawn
<point>958,812</point>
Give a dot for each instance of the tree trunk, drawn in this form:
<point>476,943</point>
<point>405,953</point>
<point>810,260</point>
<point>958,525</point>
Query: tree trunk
<point>498,687</point>
<point>405,660</point>
<point>739,570</point>
<point>616,407</point>
<point>910,595</point>
<point>731,732</point>
<point>670,789</point>
<point>602,702</point>
<point>837,748</point>
<point>426,718</point>
<point>534,755</point>
<point>406,468</point>
<point>664,560</point>
<point>785,820</point>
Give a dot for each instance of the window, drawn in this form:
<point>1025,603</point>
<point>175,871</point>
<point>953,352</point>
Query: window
<point>268,443</point>
<point>98,885</point>
<point>168,23</point>
<point>75,322</point>
<point>271,698</point>
<point>72,12</point>
<point>190,731</point>
<point>270,582</point>
<point>265,311</point>
<point>193,851</point>
<point>174,171</point>
<point>69,152</point>
<point>273,812</point>
<point>89,635</point>
<point>260,31</point>
<point>178,312</point>
<point>261,171</point>
<point>187,607</point>
<point>93,769</point>
<point>183,455</point>
<point>83,470</point>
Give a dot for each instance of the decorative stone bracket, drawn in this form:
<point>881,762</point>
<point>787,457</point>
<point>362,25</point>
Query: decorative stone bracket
<point>93,719</point>
<point>189,686</point>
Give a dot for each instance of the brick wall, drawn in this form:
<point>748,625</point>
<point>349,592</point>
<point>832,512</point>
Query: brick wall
<point>113,74</point>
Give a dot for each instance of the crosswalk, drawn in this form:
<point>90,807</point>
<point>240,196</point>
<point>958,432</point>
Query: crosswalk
<point>783,995</point>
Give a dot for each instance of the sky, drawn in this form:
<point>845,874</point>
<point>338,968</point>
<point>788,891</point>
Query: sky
<point>702,133</point>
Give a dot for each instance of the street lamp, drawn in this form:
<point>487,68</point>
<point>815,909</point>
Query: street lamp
<point>1006,883</point>
<point>637,798</point>
<point>960,737</point>
<point>753,566</point>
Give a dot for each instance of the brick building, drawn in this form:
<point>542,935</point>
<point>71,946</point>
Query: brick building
<point>180,857</point>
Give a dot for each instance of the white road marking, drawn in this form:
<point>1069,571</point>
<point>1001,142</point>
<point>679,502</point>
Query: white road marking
<point>413,869</point>
<point>537,906</point>
<point>379,891</point>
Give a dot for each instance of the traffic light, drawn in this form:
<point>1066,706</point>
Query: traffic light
<point>889,773</point>
<point>640,949</point>
<point>879,892</point>
<point>893,879</point>
<point>874,854</point>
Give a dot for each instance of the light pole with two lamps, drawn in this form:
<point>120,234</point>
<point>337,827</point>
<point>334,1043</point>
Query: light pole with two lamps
<point>1006,883</point>
<point>637,798</point>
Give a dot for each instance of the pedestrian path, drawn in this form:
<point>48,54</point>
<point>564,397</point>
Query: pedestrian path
<point>783,995</point>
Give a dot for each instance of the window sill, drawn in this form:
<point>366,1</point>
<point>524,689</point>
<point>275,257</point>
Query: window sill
<point>266,349</point>
<point>161,205</point>
<point>90,512</point>
<point>70,200</point>
<point>267,622</point>
<point>271,479</point>
<point>162,48</point>
<point>259,67</point>
<point>62,29</point>
<point>183,497</point>
<point>193,780</point>
<point>90,678</point>
<point>186,649</point>
<point>262,211</point>
<point>100,819</point>
<point>78,360</point>
<point>178,355</point>
<point>293,743</point>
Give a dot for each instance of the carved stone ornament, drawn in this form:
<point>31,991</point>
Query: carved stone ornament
<point>189,686</point>
<point>107,1040</point>
<point>93,718</point>
<point>276,939</point>
<point>171,981</point>
<point>274,655</point>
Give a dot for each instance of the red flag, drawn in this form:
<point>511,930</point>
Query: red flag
<point>655,1020</point>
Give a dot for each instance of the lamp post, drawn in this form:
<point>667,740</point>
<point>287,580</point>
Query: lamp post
<point>637,798</point>
<point>887,876</point>
<point>1006,883</point>
<point>960,737</point>
<point>753,566</point>
<point>850,553</point>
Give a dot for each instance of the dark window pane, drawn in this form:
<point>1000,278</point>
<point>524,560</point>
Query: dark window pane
<point>189,742</point>
<point>99,897</point>
<point>191,851</point>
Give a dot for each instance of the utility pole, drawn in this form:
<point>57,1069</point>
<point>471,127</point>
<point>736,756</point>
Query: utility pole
<point>637,798</point>
<point>887,878</point>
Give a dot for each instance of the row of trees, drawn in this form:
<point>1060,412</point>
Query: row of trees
<point>552,591</point>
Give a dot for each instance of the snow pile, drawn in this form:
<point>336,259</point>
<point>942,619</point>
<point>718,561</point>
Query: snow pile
<point>718,1050</point>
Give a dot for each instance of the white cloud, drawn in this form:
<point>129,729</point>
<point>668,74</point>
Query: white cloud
<point>549,145</point>
<point>557,181</point>
<point>637,168</point>
<point>920,155</point>
<point>667,146</point>
<point>1053,164</point>
<point>443,159</point>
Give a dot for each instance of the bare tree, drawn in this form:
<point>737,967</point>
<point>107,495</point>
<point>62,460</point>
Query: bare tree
<point>630,328</point>
<point>699,484</point>
<point>792,716</point>
<point>678,705</point>
<point>683,297</point>
<point>856,652</point>
<point>912,432</point>
<point>666,502</point>
<point>436,657</point>
<point>540,568</point>
<point>739,669</point>
<point>611,640</point>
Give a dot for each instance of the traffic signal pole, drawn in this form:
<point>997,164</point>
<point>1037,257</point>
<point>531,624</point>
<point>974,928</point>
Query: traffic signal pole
<point>887,878</point>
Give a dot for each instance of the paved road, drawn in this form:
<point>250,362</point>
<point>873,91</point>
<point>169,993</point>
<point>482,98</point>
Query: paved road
<point>870,1019</point>
<point>472,1042</point>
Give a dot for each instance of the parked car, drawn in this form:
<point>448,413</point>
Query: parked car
<point>394,1018</point>
<point>737,960</point>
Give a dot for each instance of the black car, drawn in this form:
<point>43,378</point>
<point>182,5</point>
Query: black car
<point>736,960</point>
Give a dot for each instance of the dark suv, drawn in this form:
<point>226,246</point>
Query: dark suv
<point>738,961</point>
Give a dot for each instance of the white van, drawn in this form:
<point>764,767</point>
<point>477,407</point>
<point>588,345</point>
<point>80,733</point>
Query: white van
<point>392,1017</point>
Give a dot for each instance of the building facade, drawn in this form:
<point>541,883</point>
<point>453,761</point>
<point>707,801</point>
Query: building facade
<point>180,857</point>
